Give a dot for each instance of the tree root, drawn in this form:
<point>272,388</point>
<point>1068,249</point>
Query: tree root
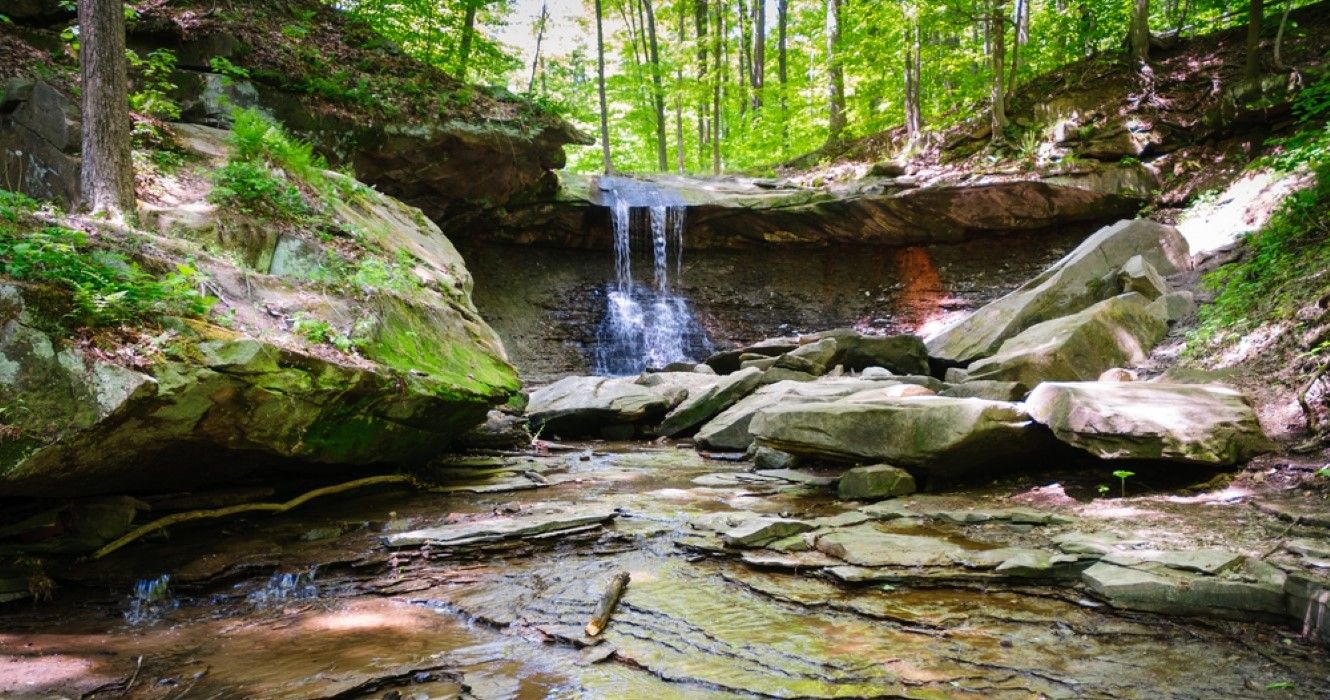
<point>1313,422</point>
<point>188,516</point>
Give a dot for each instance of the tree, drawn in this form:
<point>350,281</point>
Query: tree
<point>541,24</point>
<point>1255,16</point>
<point>758,68</point>
<point>658,92</point>
<point>604,107</point>
<point>913,63</point>
<point>835,74</point>
<point>997,37</point>
<point>782,70</point>
<point>1139,38</point>
<point>107,175</point>
<point>468,31</point>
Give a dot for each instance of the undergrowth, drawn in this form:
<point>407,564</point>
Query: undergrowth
<point>106,288</point>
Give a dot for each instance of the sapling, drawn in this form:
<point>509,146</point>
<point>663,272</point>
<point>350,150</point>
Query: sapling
<point>1123,475</point>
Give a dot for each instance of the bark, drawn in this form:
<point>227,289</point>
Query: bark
<point>1140,32</point>
<point>782,70</point>
<point>1022,36</point>
<point>1279,37</point>
<point>745,64</point>
<point>835,74</point>
<point>662,156</point>
<point>540,38</point>
<point>997,33</point>
<point>701,18</point>
<point>759,51</point>
<point>1256,14</point>
<point>716,45</point>
<point>678,92</point>
<point>600,72</point>
<point>468,30</point>
<point>608,601</point>
<point>107,171</point>
<point>913,63</point>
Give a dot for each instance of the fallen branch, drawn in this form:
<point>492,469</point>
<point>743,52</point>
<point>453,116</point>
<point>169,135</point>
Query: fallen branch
<point>188,516</point>
<point>608,601</point>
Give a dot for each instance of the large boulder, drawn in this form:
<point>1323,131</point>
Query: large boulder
<point>931,435</point>
<point>1198,424</point>
<point>39,142</point>
<point>874,482</point>
<point>702,404</point>
<point>582,406</point>
<point>1083,277</point>
<point>901,354</point>
<point>729,429</point>
<point>1114,332</point>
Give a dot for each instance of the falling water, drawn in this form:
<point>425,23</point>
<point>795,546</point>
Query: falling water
<point>646,326</point>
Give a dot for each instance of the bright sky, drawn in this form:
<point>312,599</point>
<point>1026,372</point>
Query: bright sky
<point>569,25</point>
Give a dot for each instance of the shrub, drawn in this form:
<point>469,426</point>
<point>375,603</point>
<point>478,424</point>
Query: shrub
<point>255,189</point>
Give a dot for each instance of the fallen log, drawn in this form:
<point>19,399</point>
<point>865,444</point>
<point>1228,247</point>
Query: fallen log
<point>608,601</point>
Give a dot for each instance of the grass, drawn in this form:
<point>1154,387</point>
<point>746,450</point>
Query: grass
<point>105,287</point>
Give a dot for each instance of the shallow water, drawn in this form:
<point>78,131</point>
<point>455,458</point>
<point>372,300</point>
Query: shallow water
<point>283,607</point>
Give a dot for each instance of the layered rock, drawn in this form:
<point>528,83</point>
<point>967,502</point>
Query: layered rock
<point>1116,331</point>
<point>600,406</point>
<point>1213,425</point>
<point>1087,275</point>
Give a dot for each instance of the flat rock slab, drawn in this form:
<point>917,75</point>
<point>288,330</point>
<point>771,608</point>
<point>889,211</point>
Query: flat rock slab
<point>929,434</point>
<point>760,532</point>
<point>586,406</point>
<point>540,523</point>
<point>1198,424</point>
<point>1253,589</point>
<point>798,477</point>
<point>866,545</point>
<point>1205,561</point>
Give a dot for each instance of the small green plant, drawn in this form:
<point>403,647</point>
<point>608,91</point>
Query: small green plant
<point>1281,685</point>
<point>1323,472</point>
<point>319,331</point>
<point>1123,475</point>
<point>1103,489</point>
<point>253,187</point>
<point>223,66</point>
<point>153,74</point>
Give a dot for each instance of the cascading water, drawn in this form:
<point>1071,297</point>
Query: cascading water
<point>646,326</point>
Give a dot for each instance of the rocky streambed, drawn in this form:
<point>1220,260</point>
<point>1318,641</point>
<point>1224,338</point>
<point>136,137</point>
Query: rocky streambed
<point>744,583</point>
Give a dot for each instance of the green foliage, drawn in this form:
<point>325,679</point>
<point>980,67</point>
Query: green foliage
<point>254,188</point>
<point>266,168</point>
<point>223,66</point>
<point>319,331</point>
<point>107,288</point>
<point>1123,475</point>
<point>152,75</point>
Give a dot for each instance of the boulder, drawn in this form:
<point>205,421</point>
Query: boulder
<point>759,532</point>
<point>500,431</point>
<point>1118,374</point>
<point>678,387</point>
<point>1197,424</point>
<point>1250,590</point>
<point>587,406</point>
<point>1083,277</point>
<point>1113,332</point>
<point>729,429</point>
<point>874,482</point>
<point>814,358</point>
<point>705,402</point>
<point>1174,306</point>
<point>766,458</point>
<point>1139,276</point>
<point>901,354</point>
<point>39,142</point>
<point>930,435</point>
<point>987,389</point>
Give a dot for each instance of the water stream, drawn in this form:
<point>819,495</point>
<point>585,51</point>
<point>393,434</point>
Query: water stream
<point>648,324</point>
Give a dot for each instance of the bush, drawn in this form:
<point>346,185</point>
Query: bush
<point>255,189</point>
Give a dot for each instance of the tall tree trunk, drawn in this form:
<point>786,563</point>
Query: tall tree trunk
<point>662,155</point>
<point>745,67</point>
<point>107,171</point>
<point>1021,37</point>
<point>468,29</point>
<point>1140,31</point>
<point>1256,14</point>
<point>759,51</point>
<point>701,18</point>
<point>717,37</point>
<point>540,38</point>
<point>604,110</point>
<point>1279,37</point>
<point>782,71</point>
<point>997,32</point>
<point>913,114</point>
<point>678,92</point>
<point>835,74</point>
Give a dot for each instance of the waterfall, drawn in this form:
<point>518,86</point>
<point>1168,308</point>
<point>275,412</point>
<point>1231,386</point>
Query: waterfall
<point>646,325</point>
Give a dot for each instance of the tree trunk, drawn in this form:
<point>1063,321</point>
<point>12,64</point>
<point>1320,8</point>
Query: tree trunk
<point>678,92</point>
<point>701,18</point>
<point>662,155</point>
<point>716,38</point>
<point>835,74</point>
<point>759,51</point>
<point>540,38</point>
<point>913,115</point>
<point>1256,14</point>
<point>604,110</point>
<point>107,170</point>
<point>997,33</point>
<point>1021,37</point>
<point>745,69</point>
<point>1140,32</point>
<point>468,29</point>
<point>782,71</point>
<point>1279,37</point>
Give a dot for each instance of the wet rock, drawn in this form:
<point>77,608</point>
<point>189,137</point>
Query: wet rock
<point>759,532</point>
<point>1082,278</point>
<point>1250,590</point>
<point>729,430</point>
<point>1205,561</point>
<point>888,510</point>
<point>1309,604</point>
<point>703,403</point>
<point>728,361</point>
<point>866,545</point>
<point>582,406</point>
<point>550,522</point>
<point>874,482</point>
<point>1139,276</point>
<point>1196,424</point>
<point>769,459</point>
<point>1315,549</point>
<point>499,431</point>
<point>1081,346</point>
<point>935,435</point>
<point>798,477</point>
<point>987,389</point>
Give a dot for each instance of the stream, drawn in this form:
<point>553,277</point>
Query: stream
<point>338,599</point>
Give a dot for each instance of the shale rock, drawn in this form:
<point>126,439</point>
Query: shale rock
<point>582,406</point>
<point>874,482</point>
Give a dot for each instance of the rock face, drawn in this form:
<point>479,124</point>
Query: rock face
<point>704,404</point>
<point>215,404</point>
<point>1116,331</point>
<point>874,482</point>
<point>39,141</point>
<point>730,429</point>
<point>1197,424</point>
<point>580,406</point>
<point>1244,588</point>
<point>738,214</point>
<point>931,435</point>
<point>1087,275</point>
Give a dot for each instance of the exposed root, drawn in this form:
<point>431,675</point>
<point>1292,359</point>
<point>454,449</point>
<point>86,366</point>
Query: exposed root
<point>188,516</point>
